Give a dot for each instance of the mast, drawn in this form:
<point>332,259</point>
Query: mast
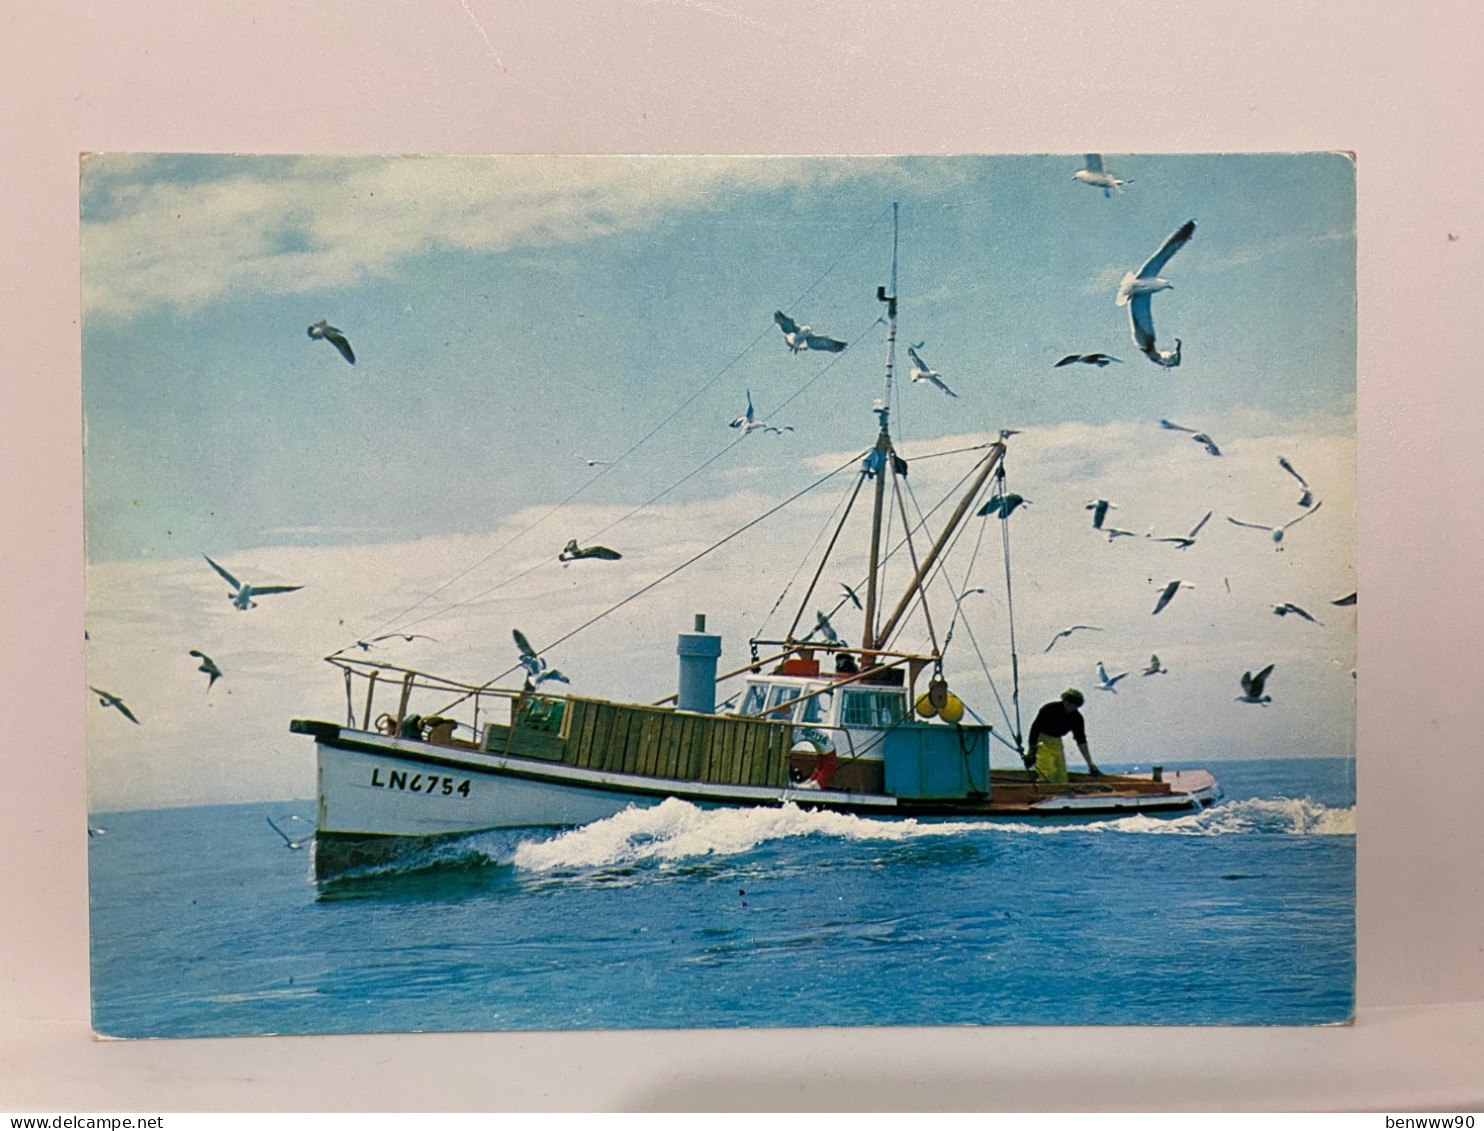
<point>880,457</point>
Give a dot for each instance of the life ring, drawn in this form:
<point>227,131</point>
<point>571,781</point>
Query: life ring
<point>825,759</point>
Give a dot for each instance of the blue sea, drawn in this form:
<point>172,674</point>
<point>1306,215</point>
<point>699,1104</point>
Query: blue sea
<point>205,923</point>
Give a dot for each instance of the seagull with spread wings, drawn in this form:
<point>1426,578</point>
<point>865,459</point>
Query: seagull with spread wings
<point>1095,174</point>
<point>1107,682</point>
<point>1068,632</point>
<point>1289,607</point>
<point>106,699</point>
<point>923,373</point>
<point>1101,360</point>
<point>1252,686</point>
<point>798,337</point>
<point>213,673</point>
<point>1135,291</point>
<point>1168,594</point>
<point>749,422</point>
<point>1184,543</point>
<point>536,667</point>
<point>1276,531</point>
<point>242,593</point>
<point>1307,498</point>
<point>322,331</point>
<point>572,552</point>
<point>1155,667</point>
<point>1100,509</point>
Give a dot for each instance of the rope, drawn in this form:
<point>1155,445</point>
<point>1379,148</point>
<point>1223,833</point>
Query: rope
<point>662,578</point>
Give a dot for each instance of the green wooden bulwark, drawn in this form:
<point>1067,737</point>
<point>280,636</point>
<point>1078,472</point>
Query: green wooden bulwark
<point>663,743</point>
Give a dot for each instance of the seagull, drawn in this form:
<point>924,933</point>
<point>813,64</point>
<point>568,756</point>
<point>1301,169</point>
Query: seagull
<point>1348,599</point>
<point>802,337</point>
<point>208,666</point>
<point>596,462</point>
<point>849,592</point>
<point>289,841</point>
<point>534,664</point>
<point>1171,426</point>
<point>1134,291</point>
<point>1276,531</point>
<point>748,421</point>
<point>1289,607</point>
<point>1002,505</point>
<point>1168,594</point>
<point>572,553</point>
<point>1155,667</point>
<point>365,645</point>
<point>1068,632</point>
<point>1101,360</point>
<point>242,594</point>
<point>826,630</point>
<point>322,330</point>
<point>1107,683</point>
<point>1100,509</point>
<point>1188,540</point>
<point>923,373</point>
<point>107,700</point>
<point>1307,499</point>
<point>1202,438</point>
<point>1252,687</point>
<point>1095,175</point>
<point>1115,532</point>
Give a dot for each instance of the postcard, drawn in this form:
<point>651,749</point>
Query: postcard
<point>552,593</point>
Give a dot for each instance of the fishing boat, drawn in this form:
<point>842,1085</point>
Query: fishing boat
<point>872,729</point>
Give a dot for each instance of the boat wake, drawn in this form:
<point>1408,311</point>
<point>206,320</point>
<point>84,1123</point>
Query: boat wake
<point>677,830</point>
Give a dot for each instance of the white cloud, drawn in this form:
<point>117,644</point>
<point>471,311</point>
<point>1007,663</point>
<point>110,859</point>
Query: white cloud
<point>316,222</point>
<point>233,743</point>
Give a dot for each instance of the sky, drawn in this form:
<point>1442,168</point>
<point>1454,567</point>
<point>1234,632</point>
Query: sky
<point>513,318</point>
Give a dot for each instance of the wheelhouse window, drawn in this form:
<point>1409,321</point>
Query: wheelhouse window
<point>782,695</point>
<point>817,707</point>
<point>755,699</point>
<point>874,708</point>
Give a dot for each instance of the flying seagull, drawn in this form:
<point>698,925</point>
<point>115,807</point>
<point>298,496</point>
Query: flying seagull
<point>1307,498</point>
<point>105,699</point>
<point>365,645</point>
<point>1002,505</point>
<point>1168,594</point>
<point>1171,426</point>
<point>1068,632</point>
<point>1115,532</point>
<point>1106,682</point>
<point>1100,509</point>
<point>1289,607</point>
<point>208,666</point>
<point>798,337</point>
<point>1275,531</point>
<point>1155,667</point>
<point>825,629</point>
<point>596,462</point>
<point>1348,599</point>
<point>322,330</point>
<point>1188,540</point>
<point>1210,444</point>
<point>572,552</point>
<point>242,594</point>
<point>1252,687</point>
<point>1135,291</point>
<point>1101,360</point>
<point>923,373</point>
<point>1092,173</point>
<point>749,422</point>
<point>289,842</point>
<point>851,593</point>
<point>538,671</point>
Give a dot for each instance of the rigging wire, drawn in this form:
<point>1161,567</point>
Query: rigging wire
<point>809,553</point>
<point>867,230</point>
<point>665,576</point>
<point>642,506</point>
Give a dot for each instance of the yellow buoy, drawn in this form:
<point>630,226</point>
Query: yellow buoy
<point>953,709</point>
<point>925,707</point>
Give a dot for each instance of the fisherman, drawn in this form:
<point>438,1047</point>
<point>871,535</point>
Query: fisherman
<point>1044,753</point>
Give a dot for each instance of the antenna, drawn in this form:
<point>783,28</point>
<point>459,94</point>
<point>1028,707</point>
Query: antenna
<point>883,452</point>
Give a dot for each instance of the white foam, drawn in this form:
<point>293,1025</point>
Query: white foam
<point>677,830</point>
